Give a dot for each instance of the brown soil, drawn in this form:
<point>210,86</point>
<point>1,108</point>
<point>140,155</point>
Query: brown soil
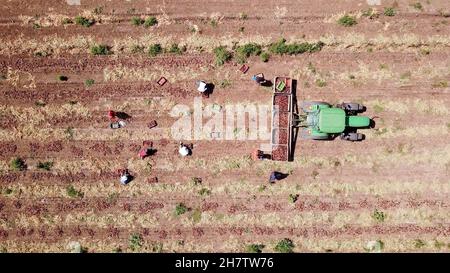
<point>387,63</point>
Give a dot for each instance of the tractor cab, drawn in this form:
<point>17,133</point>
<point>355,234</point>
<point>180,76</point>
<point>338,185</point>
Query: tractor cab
<point>321,120</point>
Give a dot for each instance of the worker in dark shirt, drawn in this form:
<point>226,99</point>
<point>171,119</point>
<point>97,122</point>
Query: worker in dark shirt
<point>259,79</point>
<point>275,176</point>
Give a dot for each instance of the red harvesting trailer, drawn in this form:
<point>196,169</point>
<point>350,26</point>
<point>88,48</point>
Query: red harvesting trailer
<point>282,109</point>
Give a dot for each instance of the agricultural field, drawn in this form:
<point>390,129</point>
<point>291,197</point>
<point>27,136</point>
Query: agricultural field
<point>64,65</point>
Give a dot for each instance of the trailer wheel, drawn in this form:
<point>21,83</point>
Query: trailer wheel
<point>352,136</point>
<point>351,107</point>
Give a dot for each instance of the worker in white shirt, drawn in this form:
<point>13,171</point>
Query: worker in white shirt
<point>184,150</point>
<point>202,87</point>
<point>125,176</point>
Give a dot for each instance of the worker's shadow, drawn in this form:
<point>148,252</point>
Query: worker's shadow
<point>122,115</point>
<point>150,152</point>
<point>281,176</point>
<point>209,90</point>
<point>267,83</point>
<point>130,179</point>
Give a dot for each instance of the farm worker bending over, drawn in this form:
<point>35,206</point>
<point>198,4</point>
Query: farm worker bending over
<point>275,176</point>
<point>184,150</point>
<point>257,155</point>
<point>201,86</point>
<point>147,149</point>
<point>125,176</point>
<point>111,115</point>
<point>259,79</point>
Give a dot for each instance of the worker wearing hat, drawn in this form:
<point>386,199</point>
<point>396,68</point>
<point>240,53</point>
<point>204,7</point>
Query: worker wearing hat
<point>184,150</point>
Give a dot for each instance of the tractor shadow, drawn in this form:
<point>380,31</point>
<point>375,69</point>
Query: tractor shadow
<point>295,130</point>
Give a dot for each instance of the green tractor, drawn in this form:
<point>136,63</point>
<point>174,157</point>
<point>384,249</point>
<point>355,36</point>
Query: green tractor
<point>322,121</point>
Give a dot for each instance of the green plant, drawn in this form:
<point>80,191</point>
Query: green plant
<point>47,165</point>
<point>419,243</point>
<point>154,50</point>
<point>180,209</point>
<point>265,56</point>
<point>321,83</point>
<point>157,247</point>
<point>73,193</point>
<point>254,248</point>
<point>137,21</point>
<point>83,21</point>
<point>8,191</point>
<point>389,11</point>
<point>112,198</point>
<point>417,6</point>
<point>379,216</point>
<point>174,48</point>
<point>204,191</point>
<point>285,246</point>
<point>98,10</point>
<point>371,13</point>
<point>36,26</point>
<point>40,103</point>
<point>245,51</point>
<point>347,21</point>
<point>136,241</point>
<point>100,50</point>
<point>281,47</point>
<point>67,21</point>
<point>69,132</point>
<point>18,164</point>
<point>405,76</point>
<point>438,244</point>
<point>137,49</point>
<point>150,21</point>
<point>197,216</point>
<point>368,12</point>
<point>243,16</point>
<point>425,51</point>
<point>196,181</point>
<point>214,23</point>
<point>293,197</point>
<point>261,188</point>
<point>62,78</point>
<point>222,55</point>
<point>384,66</point>
<point>440,84</point>
<point>225,83</point>
<point>377,108</point>
<point>89,82</point>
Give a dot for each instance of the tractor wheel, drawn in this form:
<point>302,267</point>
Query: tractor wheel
<point>305,106</point>
<point>353,137</point>
<point>352,107</point>
<point>305,133</point>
